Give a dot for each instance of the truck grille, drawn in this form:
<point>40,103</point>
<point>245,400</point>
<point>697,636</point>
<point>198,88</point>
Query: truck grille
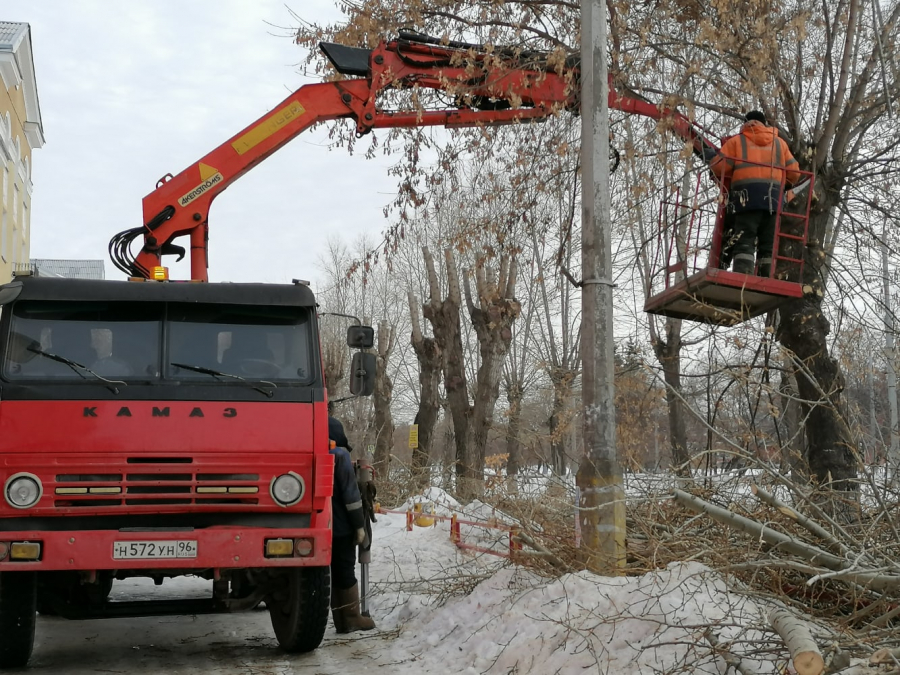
<point>163,488</point>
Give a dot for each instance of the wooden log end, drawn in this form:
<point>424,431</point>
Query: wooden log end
<point>809,663</point>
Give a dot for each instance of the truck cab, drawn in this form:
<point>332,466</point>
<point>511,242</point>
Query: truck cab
<point>157,429</point>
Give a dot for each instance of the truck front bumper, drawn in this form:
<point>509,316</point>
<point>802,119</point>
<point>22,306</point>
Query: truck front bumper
<point>216,548</point>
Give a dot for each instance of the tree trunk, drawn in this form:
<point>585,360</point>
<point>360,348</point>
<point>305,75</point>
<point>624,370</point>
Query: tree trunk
<point>668,353</point>
<point>381,399</point>
<point>513,429</point>
<point>492,318</point>
<point>561,379</point>
<point>893,454</point>
<point>444,318</point>
<point>334,363</point>
<point>429,357</point>
<point>803,329</point>
<point>793,458</point>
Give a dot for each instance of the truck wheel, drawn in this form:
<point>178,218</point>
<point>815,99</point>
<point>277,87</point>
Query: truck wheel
<point>18,598</point>
<point>299,609</point>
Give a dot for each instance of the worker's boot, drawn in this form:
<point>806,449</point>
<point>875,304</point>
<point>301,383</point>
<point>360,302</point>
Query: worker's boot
<point>337,613</point>
<point>765,267</point>
<point>349,608</point>
<point>742,264</point>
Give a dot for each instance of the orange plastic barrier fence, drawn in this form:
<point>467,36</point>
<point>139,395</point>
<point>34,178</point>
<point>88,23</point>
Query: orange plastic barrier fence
<point>456,534</point>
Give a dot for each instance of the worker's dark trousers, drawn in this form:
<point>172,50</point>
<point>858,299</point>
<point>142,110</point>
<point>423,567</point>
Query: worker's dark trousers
<point>343,562</point>
<point>756,234</point>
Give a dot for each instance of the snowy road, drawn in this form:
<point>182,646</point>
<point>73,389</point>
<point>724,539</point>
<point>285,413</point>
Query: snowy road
<point>232,644</point>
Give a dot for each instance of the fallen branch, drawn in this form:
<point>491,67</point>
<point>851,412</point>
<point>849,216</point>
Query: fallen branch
<point>840,568</point>
<point>889,656</point>
<point>798,639</point>
<point>547,555</point>
<point>799,518</point>
<point>760,531</point>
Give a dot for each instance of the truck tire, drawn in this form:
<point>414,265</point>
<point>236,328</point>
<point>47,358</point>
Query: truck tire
<point>299,610</point>
<point>18,599</point>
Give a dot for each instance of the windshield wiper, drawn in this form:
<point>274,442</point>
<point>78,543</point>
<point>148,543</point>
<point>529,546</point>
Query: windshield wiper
<point>218,374</point>
<point>78,368</point>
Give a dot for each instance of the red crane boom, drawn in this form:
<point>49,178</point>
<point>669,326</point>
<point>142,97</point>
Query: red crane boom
<point>490,87</point>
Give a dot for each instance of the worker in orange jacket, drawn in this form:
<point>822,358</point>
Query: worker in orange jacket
<point>752,164</point>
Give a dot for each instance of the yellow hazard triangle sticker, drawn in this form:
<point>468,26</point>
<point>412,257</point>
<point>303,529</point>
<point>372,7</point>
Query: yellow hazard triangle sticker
<point>209,178</point>
<point>207,172</point>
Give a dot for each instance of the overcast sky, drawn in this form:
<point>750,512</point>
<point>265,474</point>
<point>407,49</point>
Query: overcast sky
<point>130,91</point>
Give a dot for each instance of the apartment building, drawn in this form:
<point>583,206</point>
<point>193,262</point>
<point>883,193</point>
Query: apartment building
<point>21,132</point>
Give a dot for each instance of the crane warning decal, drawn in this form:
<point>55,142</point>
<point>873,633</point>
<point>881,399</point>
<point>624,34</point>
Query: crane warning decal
<point>247,141</point>
<point>208,178</point>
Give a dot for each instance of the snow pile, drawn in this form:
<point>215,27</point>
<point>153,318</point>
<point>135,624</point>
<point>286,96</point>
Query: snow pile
<point>433,500</point>
<point>507,619</point>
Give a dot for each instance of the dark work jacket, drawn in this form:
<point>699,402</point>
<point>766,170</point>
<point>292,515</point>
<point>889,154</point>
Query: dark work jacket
<point>346,502</point>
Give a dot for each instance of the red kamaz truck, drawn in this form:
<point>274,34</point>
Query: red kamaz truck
<point>159,429</point>
<point>155,428</point>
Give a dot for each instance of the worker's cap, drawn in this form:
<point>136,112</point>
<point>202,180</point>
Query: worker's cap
<point>336,433</point>
<point>757,116</point>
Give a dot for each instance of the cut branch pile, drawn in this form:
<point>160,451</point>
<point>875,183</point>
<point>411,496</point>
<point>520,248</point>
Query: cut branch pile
<point>855,563</point>
<point>847,574</point>
<point>837,583</point>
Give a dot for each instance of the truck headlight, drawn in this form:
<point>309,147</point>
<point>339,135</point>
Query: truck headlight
<point>287,489</point>
<point>23,490</point>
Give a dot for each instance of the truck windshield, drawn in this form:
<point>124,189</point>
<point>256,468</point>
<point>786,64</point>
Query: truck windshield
<point>252,342</point>
<point>114,339</point>
<point>142,341</point>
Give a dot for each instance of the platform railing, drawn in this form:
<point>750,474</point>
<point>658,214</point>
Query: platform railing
<point>693,231</point>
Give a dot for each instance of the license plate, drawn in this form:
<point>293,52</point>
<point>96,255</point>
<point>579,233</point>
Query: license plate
<point>154,550</point>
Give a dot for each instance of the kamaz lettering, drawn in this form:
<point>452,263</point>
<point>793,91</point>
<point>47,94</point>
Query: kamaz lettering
<point>125,411</point>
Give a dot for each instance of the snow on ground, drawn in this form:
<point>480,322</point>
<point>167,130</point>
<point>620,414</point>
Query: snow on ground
<point>439,610</point>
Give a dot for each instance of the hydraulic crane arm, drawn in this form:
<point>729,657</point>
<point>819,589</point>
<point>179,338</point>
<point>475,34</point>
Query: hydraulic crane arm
<point>489,88</point>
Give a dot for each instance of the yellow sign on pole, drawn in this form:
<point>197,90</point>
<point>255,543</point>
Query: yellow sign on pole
<point>413,436</point>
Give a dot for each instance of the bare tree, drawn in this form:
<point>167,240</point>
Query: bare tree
<point>429,359</point>
<point>492,316</point>
<point>518,373</point>
<point>381,400</point>
<point>444,317</point>
<point>492,319</point>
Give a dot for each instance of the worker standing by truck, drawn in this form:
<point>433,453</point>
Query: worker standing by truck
<point>348,532</point>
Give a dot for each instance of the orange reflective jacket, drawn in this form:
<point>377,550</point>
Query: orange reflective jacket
<point>753,162</point>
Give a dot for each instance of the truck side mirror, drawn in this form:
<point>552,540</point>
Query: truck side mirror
<point>362,374</point>
<point>360,337</point>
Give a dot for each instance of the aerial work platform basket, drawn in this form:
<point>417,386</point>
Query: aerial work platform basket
<point>689,276</point>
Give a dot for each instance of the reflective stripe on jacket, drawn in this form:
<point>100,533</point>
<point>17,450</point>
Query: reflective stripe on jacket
<point>346,503</point>
<point>752,163</point>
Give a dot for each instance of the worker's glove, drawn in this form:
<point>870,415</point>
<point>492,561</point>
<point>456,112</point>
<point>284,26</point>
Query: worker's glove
<point>709,154</point>
<point>360,536</point>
